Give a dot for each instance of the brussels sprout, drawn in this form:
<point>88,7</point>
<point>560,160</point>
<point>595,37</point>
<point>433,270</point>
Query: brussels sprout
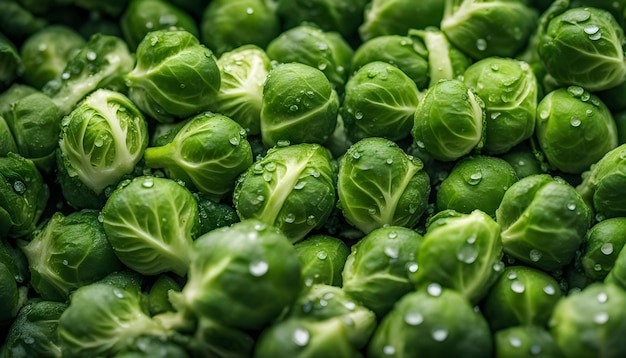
<point>460,251</point>
<point>432,322</point>
<point>102,140</point>
<point>69,252</point>
<point>476,182</point>
<point>23,196</point>
<point>543,220</point>
<point>11,63</point>
<point>396,17</point>
<point>445,61</point>
<point>17,22</point>
<point>208,152</point>
<point>310,45</point>
<point>521,296</point>
<point>324,302</point>
<point>144,16</point>
<point>213,215</point>
<point>46,53</point>
<point>485,28</point>
<point>379,101</point>
<point>158,294</point>
<point>175,76</point>
<point>404,52</point>
<point>574,129</point>
<point>323,258</point>
<point>34,332</point>
<point>523,159</point>
<point>603,184</point>
<point>243,71</point>
<point>449,121</point>
<point>525,341</point>
<point>299,105</point>
<point>7,142</point>
<point>228,24</point>
<point>591,323</point>
<point>601,247</point>
<point>12,95</point>
<point>299,337</point>
<point>509,89</point>
<point>151,223</point>
<point>103,60</point>
<point>292,188</point>
<point>583,46</point>
<point>379,184</point>
<point>104,319</point>
<point>342,16</point>
<point>13,277</point>
<point>242,276</point>
<point>377,270</point>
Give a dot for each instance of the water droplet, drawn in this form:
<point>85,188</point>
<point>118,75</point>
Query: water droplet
<point>596,36</point>
<point>512,276</point>
<point>434,289</point>
<point>260,226</point>
<point>495,115</point>
<point>393,235</point>
<point>481,44</point>
<point>571,206</point>
<point>322,66</point>
<point>29,340</point>
<point>535,349</point>
<point>602,297</point>
<point>19,187</point>
<point>301,337</point>
<point>498,266</point>
<point>65,75</point>
<point>535,255</point>
<point>495,67</point>
<point>350,305</point>
<point>91,56</point>
<point>475,178</point>
<point>517,287</point>
<point>597,267</point>
<point>389,161</point>
<point>515,342</point>
<point>234,141</point>
<point>258,268</point>
<point>322,255</point>
<point>358,115</point>
<point>412,267</point>
<point>467,254</point>
<point>371,211</point>
<point>389,350</point>
<point>607,248</point>
<point>440,334</point>
<point>544,114</point>
<point>392,252</point>
<point>310,220</point>
<point>147,182</point>
<point>589,113</point>
<point>472,239</point>
<point>601,318</point>
<point>575,91</point>
<point>290,218</point>
<point>283,143</point>
<point>591,29</point>
<point>65,262</point>
<point>549,290</point>
<point>249,11</point>
<point>575,121</point>
<point>413,318</point>
<point>293,107</point>
<point>118,293</point>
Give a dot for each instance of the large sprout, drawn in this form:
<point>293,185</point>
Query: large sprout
<point>379,184</point>
<point>323,259</point>
<point>602,246</point>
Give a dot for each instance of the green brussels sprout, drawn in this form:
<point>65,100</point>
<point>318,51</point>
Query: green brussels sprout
<point>46,53</point>
<point>7,142</point>
<point>69,252</point>
<point>591,323</point>
<point>13,277</point>
<point>228,24</point>
<point>103,60</point>
<point>476,182</point>
<point>12,95</point>
<point>291,188</point>
<point>460,251</point>
<point>299,337</point>
<point>485,28</point>
<point>396,17</point>
<point>450,62</point>
<point>310,45</point>
<point>298,105</point>
<point>509,89</point>
<point>449,122</point>
<point>601,247</point>
<point>583,46</point>
<point>379,101</point>
<point>34,332</point>
<point>213,215</point>
<point>377,270</point>
<point>323,258</point>
<point>158,294</point>
<point>208,152</point>
<point>404,52</point>
<point>574,129</point>
<point>522,295</point>
<point>102,140</point>
<point>11,63</point>
<point>324,302</point>
<point>342,16</point>
<point>602,185</point>
<point>525,341</point>
<point>544,221</point>
<point>523,159</point>
<point>242,276</point>
<point>144,16</point>
<point>151,223</point>
<point>175,76</point>
<point>104,319</point>
<point>379,184</point>
<point>23,196</point>
<point>17,22</point>
<point>243,72</point>
<point>432,322</point>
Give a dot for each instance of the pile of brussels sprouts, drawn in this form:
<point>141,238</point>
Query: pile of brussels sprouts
<point>313,178</point>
